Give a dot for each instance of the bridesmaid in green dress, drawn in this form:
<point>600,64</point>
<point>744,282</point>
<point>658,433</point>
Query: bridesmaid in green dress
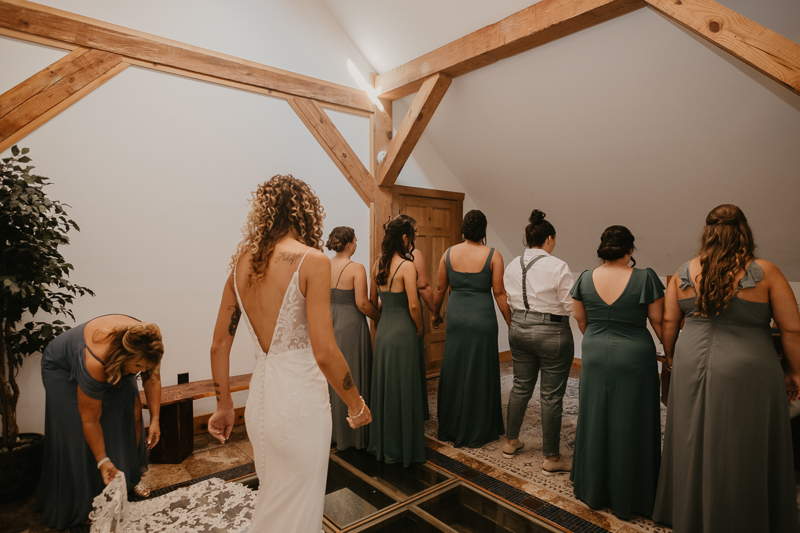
<point>469,409</point>
<point>618,440</point>
<point>350,307</point>
<point>397,431</point>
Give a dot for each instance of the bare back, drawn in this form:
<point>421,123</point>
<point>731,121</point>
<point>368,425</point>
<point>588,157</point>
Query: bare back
<point>263,300</point>
<point>468,257</point>
<point>610,283</point>
<point>395,271</point>
<point>343,273</point>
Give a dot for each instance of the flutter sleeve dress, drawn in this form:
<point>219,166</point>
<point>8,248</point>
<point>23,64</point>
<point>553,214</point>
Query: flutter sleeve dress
<point>618,439</point>
<point>727,463</point>
<point>70,477</point>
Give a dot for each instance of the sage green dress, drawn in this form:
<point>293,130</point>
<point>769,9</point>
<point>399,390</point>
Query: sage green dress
<point>397,433</point>
<point>469,408</point>
<point>728,463</point>
<point>618,440</point>
<point>352,337</point>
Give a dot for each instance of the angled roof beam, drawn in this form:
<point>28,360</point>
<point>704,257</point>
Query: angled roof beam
<point>414,124</point>
<point>45,94</point>
<point>164,54</point>
<point>763,49</point>
<point>538,24</point>
<point>318,123</point>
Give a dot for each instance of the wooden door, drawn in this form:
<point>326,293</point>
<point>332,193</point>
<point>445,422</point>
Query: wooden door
<point>438,215</point>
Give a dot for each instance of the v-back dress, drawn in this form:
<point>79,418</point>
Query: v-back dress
<point>288,421</point>
<point>70,477</point>
<point>618,439</point>
<point>397,433</point>
<point>352,336</point>
<point>470,411</point>
<point>727,463</point>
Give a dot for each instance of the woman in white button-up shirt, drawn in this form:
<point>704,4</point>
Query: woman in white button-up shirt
<point>540,338</point>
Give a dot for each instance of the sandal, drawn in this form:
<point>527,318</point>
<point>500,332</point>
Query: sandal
<point>142,490</point>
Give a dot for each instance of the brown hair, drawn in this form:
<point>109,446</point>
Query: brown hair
<point>538,229</point>
<point>726,245</point>
<point>393,243</point>
<point>340,237</point>
<point>137,342</point>
<point>279,206</point>
<point>615,242</point>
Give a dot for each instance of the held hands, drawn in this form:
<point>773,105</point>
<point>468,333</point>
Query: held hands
<point>792,386</point>
<point>436,320</point>
<point>220,424</point>
<point>108,471</point>
<point>153,434</point>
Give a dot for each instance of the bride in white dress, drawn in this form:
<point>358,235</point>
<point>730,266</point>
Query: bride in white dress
<point>280,285</point>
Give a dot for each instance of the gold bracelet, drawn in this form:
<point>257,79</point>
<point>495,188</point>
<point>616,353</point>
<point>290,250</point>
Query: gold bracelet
<point>363,406</point>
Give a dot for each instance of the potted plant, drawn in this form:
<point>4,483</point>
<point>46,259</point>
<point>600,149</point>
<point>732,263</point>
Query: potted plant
<point>33,280</point>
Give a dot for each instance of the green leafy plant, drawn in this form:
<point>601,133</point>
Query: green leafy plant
<point>33,276</point>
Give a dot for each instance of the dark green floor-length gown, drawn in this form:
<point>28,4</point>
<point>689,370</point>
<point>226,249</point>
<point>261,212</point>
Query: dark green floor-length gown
<point>397,433</point>
<point>618,439</point>
<point>469,408</point>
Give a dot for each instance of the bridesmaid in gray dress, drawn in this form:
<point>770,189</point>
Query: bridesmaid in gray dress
<point>350,305</point>
<point>727,463</point>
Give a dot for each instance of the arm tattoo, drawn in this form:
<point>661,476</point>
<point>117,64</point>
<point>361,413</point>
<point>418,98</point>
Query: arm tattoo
<point>287,256</point>
<point>235,316</point>
<point>347,382</point>
<point>216,390</point>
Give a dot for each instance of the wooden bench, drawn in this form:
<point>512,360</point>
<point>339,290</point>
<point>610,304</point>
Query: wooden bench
<point>177,416</point>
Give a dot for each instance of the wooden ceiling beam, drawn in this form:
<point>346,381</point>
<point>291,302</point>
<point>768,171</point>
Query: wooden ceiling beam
<point>53,24</point>
<point>761,48</point>
<point>45,94</point>
<point>538,24</point>
<point>320,125</point>
<point>412,127</point>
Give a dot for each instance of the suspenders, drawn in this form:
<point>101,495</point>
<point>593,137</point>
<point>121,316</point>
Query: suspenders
<point>524,273</point>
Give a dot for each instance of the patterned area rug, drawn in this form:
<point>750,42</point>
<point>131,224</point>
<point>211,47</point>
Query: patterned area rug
<point>527,464</point>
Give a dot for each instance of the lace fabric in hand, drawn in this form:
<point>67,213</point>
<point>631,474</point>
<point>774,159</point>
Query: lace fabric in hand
<point>209,506</point>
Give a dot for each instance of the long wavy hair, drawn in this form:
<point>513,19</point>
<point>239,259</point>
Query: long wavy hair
<point>726,245</point>
<point>278,206</point>
<point>393,243</point>
<point>134,343</point>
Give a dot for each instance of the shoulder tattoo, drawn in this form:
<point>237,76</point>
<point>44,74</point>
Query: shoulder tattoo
<point>288,257</point>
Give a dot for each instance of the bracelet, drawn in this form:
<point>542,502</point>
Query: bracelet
<point>361,412</point>
<point>103,460</point>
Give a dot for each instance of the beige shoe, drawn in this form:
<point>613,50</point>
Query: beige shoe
<point>510,450</point>
<point>552,468</point>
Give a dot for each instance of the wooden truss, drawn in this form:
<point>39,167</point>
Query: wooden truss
<point>100,50</point>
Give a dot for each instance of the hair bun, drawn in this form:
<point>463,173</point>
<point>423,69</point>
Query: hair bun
<point>536,217</point>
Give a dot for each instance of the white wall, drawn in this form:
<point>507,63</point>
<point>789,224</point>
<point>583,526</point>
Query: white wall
<point>158,169</point>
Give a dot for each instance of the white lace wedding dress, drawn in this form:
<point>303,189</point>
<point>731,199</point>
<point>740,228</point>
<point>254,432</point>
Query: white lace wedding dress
<point>288,421</point>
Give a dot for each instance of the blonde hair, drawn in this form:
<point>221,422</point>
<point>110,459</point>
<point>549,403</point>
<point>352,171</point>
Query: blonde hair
<point>726,245</point>
<point>136,342</point>
<point>279,206</point>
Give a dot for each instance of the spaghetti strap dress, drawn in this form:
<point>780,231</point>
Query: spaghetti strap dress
<point>727,463</point>
<point>70,478</point>
<point>288,418</point>
<point>618,439</point>
<point>396,434</point>
<point>352,336</point>
<point>469,409</point>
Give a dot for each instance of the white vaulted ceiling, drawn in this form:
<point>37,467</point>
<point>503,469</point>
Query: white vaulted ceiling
<point>636,121</point>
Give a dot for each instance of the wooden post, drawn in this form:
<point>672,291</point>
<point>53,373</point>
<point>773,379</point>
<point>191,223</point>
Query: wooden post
<point>380,210</point>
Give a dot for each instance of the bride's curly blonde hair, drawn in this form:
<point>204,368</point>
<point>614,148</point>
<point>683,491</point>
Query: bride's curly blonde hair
<point>282,204</point>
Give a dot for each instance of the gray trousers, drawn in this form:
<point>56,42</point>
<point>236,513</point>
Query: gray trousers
<point>537,344</point>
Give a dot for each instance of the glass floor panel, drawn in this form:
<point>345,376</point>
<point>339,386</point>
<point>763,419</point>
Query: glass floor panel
<point>364,495</point>
<point>403,482</point>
